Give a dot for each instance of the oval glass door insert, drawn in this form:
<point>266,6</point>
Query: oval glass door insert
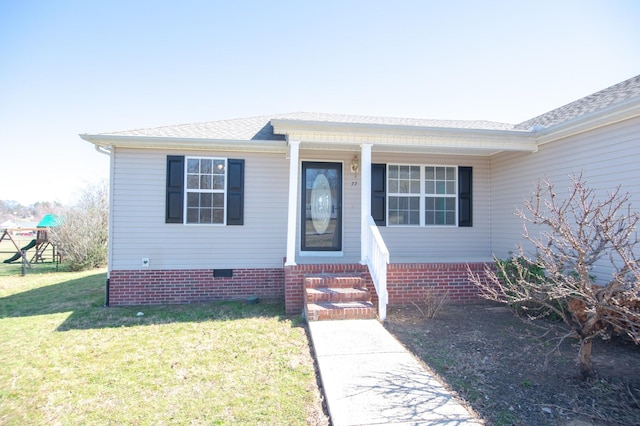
<point>321,204</point>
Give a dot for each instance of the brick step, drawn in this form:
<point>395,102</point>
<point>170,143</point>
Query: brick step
<point>339,311</point>
<point>333,281</point>
<point>336,295</point>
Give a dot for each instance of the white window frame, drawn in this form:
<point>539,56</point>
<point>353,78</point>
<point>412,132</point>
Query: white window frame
<point>422,196</point>
<point>453,196</point>
<point>188,190</point>
<point>410,195</point>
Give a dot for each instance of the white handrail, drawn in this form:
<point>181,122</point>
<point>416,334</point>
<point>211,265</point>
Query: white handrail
<point>377,256</point>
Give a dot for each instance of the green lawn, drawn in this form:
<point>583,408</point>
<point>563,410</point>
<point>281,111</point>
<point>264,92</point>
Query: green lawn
<point>66,359</point>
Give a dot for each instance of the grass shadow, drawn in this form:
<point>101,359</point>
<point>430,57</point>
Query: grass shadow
<point>84,298</point>
<point>83,293</point>
<point>147,315</point>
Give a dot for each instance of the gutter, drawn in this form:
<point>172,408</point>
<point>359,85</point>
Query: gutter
<point>106,150</point>
<point>108,141</point>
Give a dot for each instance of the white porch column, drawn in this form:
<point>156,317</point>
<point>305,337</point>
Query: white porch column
<point>365,198</point>
<point>294,155</point>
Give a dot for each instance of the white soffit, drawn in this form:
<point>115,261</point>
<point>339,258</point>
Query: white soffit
<point>392,138</point>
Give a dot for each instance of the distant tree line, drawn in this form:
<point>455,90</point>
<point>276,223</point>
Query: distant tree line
<point>12,210</point>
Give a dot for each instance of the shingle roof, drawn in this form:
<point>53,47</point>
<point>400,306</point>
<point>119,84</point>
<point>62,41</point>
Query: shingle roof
<point>615,94</point>
<point>253,128</point>
<point>259,128</point>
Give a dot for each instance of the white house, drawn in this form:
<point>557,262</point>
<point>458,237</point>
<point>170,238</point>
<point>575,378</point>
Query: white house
<point>250,207</point>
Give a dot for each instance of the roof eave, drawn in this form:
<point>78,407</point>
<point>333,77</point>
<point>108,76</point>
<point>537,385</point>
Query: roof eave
<point>286,126</point>
<point>149,142</point>
<point>590,121</point>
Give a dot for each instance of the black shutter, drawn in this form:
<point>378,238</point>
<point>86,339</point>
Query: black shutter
<point>235,192</point>
<point>379,193</point>
<point>465,191</point>
<point>175,189</point>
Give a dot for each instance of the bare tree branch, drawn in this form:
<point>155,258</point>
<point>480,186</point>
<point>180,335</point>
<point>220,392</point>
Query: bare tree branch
<point>82,238</point>
<point>573,235</point>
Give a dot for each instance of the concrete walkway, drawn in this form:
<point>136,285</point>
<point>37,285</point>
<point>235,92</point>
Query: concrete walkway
<point>369,378</point>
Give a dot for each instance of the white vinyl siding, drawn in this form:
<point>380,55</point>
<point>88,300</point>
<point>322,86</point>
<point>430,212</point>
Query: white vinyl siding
<point>607,157</point>
<point>140,231</point>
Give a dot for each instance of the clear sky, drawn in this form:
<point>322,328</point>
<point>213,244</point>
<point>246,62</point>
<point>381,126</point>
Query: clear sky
<point>71,67</point>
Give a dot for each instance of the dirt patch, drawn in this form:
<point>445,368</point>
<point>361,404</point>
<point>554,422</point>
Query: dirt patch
<point>512,373</point>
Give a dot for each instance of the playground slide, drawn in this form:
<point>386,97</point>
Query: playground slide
<point>17,255</point>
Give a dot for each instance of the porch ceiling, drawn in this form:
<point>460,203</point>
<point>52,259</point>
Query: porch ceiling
<point>404,139</point>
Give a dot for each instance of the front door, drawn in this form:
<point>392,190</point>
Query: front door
<point>322,206</point>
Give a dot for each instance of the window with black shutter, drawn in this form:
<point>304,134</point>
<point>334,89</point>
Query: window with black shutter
<point>414,195</point>
<point>175,189</point>
<point>204,190</point>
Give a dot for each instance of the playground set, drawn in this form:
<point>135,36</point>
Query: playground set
<point>41,243</point>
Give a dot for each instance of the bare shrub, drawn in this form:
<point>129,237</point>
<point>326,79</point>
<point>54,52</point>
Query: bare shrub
<point>431,303</point>
<point>578,232</point>
<point>82,238</point>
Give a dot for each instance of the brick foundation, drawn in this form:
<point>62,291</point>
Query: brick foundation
<point>158,287</point>
<point>406,283</point>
